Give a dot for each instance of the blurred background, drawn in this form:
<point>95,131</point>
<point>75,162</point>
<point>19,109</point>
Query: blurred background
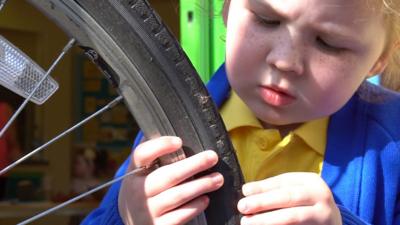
<point>79,161</point>
<point>91,155</point>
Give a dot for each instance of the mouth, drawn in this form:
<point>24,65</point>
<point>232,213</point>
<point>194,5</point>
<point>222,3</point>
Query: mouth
<point>276,96</point>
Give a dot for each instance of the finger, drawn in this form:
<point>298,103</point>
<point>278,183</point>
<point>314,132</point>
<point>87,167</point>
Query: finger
<point>147,152</point>
<point>297,215</point>
<point>185,213</point>
<point>277,199</point>
<point>280,181</point>
<point>175,173</point>
<point>181,194</point>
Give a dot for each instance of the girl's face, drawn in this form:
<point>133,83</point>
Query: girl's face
<point>293,61</point>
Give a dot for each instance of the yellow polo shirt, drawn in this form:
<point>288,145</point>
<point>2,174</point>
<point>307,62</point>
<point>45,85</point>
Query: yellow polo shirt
<point>263,153</point>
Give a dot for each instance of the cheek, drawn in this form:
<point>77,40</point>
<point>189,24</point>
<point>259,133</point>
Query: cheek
<point>243,40</point>
<point>336,72</point>
<point>333,82</point>
<point>245,56</point>
<point>240,55</point>
<point>238,38</point>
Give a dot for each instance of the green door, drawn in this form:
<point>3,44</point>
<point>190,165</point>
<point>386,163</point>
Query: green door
<point>203,34</point>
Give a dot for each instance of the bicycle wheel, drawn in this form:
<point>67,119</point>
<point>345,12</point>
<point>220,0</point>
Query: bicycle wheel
<point>136,52</point>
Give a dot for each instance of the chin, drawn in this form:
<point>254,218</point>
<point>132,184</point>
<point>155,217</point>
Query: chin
<point>275,121</point>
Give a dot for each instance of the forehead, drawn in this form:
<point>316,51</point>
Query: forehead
<point>359,9</point>
<point>356,15</point>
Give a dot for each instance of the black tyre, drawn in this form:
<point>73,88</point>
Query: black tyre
<point>161,88</point>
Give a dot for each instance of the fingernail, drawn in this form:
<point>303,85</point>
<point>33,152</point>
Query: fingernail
<point>211,152</point>
<point>242,206</point>
<point>218,179</point>
<point>205,200</point>
<point>176,140</point>
<point>246,190</point>
<point>211,156</point>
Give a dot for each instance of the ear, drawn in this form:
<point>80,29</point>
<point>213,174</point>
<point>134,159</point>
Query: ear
<point>382,62</point>
<point>225,11</point>
<point>379,66</point>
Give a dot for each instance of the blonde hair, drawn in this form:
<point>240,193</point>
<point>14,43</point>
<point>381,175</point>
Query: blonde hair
<point>391,9</point>
<point>391,75</point>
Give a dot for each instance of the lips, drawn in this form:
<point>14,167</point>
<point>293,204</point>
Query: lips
<point>276,96</point>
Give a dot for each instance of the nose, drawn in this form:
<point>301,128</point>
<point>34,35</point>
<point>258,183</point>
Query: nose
<point>286,55</point>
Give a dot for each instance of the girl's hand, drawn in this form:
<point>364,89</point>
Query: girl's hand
<point>167,195</point>
<point>290,198</point>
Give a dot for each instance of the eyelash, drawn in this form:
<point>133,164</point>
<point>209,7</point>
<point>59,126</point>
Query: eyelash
<point>320,42</point>
<point>267,22</point>
<point>326,46</point>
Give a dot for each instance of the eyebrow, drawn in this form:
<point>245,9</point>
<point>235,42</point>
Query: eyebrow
<point>257,4</point>
<point>328,29</point>
<point>332,30</point>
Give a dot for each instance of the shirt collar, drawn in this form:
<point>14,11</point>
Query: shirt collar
<point>314,134</point>
<point>235,113</point>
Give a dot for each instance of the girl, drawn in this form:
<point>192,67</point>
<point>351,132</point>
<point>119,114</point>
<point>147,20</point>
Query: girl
<point>317,144</point>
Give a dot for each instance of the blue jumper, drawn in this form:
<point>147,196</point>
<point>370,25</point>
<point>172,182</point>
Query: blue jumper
<point>361,164</point>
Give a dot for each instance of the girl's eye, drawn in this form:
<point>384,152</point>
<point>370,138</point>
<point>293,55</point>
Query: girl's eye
<point>326,46</point>
<point>268,22</point>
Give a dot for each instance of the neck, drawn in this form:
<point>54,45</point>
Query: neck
<point>283,129</point>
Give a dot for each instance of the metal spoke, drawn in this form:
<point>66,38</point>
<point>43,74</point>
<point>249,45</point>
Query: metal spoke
<point>40,215</point>
<point>69,45</point>
<point>108,106</point>
<point>2,3</point>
